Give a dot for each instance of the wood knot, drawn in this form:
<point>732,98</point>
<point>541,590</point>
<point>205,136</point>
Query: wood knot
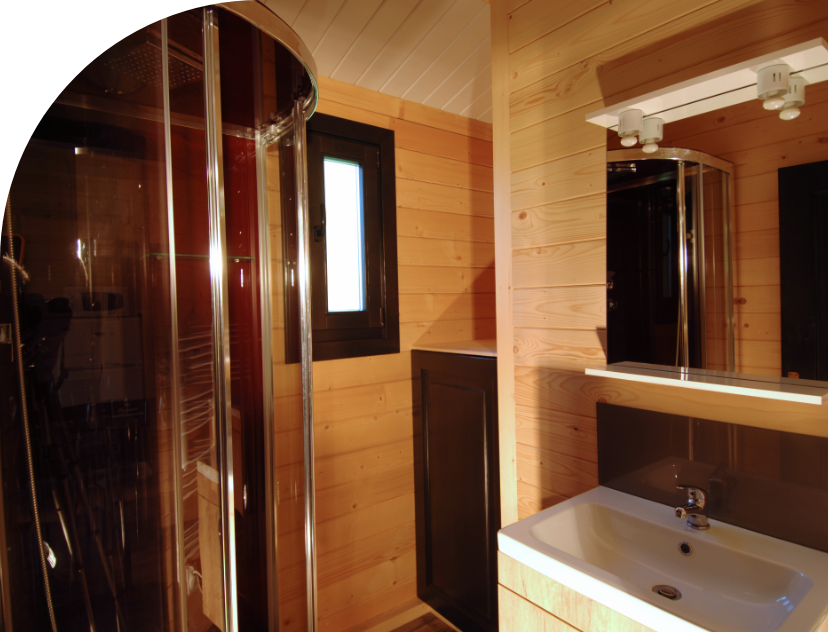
<point>741,301</point>
<point>523,215</point>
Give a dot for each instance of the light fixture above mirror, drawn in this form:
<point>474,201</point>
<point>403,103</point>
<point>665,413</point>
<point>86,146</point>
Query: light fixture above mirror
<point>806,63</point>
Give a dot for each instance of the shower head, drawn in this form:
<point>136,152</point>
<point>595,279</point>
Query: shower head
<point>137,61</point>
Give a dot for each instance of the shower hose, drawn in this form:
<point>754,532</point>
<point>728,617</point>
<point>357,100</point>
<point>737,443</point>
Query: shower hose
<point>25,410</point>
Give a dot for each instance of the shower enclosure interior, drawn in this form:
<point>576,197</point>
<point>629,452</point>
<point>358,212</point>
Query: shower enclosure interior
<point>148,480</point>
<point>669,288</point>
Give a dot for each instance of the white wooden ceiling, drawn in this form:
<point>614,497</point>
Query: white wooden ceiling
<point>435,52</point>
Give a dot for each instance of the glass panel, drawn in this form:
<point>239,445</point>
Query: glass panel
<point>288,465</point>
<point>115,305</point>
<point>88,206</point>
<point>714,194</point>
<point>199,477</point>
<point>642,262</point>
<point>344,238</point>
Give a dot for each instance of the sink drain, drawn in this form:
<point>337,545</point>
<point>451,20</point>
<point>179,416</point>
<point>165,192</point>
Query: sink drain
<point>670,592</point>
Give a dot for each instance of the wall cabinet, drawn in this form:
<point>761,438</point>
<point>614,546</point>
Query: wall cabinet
<point>458,486</point>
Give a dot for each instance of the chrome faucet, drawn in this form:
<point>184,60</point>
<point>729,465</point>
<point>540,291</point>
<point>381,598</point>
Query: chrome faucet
<point>695,511</point>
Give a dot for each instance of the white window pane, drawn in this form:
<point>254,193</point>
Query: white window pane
<point>344,236</point>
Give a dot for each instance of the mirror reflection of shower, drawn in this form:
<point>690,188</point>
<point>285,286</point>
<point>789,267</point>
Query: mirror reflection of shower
<point>669,290</point>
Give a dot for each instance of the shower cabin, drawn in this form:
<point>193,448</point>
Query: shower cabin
<point>669,269</point>
<point>149,482</point>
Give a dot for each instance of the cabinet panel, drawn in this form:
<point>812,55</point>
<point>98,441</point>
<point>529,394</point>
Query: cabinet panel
<point>458,508</point>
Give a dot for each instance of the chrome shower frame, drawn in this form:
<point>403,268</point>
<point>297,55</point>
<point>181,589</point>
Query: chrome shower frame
<point>682,157</point>
<point>175,360</point>
<point>267,131</point>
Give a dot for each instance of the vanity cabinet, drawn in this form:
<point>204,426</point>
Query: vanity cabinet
<point>458,486</point>
<point>532,602</point>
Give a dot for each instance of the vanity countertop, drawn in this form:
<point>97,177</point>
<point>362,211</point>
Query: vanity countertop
<point>486,348</point>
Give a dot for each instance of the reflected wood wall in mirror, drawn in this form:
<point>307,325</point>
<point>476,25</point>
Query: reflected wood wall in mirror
<point>758,143</point>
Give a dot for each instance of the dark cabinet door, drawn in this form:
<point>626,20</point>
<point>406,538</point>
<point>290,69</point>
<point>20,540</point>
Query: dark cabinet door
<point>458,486</point>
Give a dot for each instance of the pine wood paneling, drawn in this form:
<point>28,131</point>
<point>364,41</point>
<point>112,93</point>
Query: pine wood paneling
<point>336,374</point>
<point>434,225</point>
<point>516,613</point>
<point>445,331</point>
<point>530,21</point>
<point>351,403</point>
<point>353,466</point>
<point>355,496</point>
<point>348,94</point>
<point>414,165</point>
<point>338,437</point>
<point>557,432</point>
<point>368,609</point>
<point>574,176</point>
<point>564,62</point>
<point>566,604</point>
<point>555,138</point>
<point>503,248</point>
<point>367,552</point>
<point>428,140</point>
<point>562,349</point>
<point>363,406</point>
<point>580,219</point>
<point>576,393</point>
<point>574,41</point>
<point>373,582</point>
<point>576,307</point>
<point>419,308</point>
<point>533,499</point>
<point>437,197</point>
<point>578,263</point>
<point>445,280</point>
<point>415,251</point>
<point>681,49</point>
<point>566,475</point>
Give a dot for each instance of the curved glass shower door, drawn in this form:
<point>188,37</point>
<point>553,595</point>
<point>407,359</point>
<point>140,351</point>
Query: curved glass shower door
<point>669,286</point>
<point>152,438</point>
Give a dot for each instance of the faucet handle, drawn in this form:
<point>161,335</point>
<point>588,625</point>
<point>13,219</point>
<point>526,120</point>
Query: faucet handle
<point>696,494</point>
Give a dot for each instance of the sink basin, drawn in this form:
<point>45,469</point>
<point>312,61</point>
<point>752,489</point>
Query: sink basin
<point>614,548</point>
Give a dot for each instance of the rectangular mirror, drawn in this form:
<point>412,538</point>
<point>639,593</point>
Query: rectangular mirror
<point>748,192</point>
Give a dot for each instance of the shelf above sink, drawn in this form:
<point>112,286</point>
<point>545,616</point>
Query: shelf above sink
<point>779,388</point>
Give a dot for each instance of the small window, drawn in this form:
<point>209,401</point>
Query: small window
<point>353,246</point>
<point>343,230</point>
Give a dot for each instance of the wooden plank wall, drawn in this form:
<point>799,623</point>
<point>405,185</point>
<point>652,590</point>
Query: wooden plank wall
<point>565,60</point>
<point>363,406</point>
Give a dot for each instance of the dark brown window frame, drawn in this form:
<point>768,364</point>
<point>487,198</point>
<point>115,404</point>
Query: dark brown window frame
<point>376,331</point>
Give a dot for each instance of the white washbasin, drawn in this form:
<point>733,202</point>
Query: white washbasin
<point>613,548</point>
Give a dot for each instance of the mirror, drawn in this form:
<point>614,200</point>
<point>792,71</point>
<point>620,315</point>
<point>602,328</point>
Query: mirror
<point>756,281</point>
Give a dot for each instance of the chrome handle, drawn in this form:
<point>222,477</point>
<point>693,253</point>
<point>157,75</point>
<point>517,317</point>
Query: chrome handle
<point>681,513</point>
